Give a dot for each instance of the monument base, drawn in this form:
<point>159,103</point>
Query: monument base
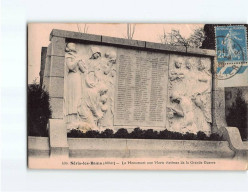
<point>58,138</point>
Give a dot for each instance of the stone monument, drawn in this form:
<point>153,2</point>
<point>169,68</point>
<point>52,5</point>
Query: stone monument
<point>98,82</point>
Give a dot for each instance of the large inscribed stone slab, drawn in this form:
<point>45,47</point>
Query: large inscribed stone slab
<point>141,88</point>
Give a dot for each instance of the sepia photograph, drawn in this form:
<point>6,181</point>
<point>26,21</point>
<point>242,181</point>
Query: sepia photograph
<point>137,96</point>
<point>124,96</point>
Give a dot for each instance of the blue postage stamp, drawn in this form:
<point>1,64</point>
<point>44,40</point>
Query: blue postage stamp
<point>231,50</point>
<point>231,44</point>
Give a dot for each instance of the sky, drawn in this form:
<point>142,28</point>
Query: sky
<point>38,36</point>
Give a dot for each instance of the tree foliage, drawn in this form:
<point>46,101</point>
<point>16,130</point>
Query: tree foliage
<point>85,28</point>
<point>130,31</point>
<point>209,30</point>
<point>176,39</point>
<point>237,114</point>
<point>39,110</point>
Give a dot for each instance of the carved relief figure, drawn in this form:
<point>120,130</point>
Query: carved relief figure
<point>182,108</point>
<point>72,86</point>
<point>177,74</point>
<point>89,98</point>
<point>93,66</point>
<point>109,73</point>
<point>190,92</point>
<point>96,90</point>
<point>202,98</point>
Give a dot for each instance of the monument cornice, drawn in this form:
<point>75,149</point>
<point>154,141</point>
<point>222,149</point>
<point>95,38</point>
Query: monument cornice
<point>121,42</point>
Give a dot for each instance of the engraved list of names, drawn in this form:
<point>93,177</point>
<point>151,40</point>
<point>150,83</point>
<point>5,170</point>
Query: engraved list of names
<point>141,91</point>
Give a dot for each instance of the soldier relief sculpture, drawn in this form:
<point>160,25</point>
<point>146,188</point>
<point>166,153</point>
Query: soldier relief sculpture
<point>88,98</point>
<point>189,107</point>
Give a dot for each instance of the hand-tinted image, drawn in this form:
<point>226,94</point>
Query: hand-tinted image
<point>137,96</point>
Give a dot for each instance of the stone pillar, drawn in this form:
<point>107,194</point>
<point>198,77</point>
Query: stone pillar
<point>54,84</point>
<point>54,75</point>
<point>218,102</point>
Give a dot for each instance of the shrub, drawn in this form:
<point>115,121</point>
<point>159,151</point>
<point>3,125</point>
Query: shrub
<point>150,134</point>
<point>138,133</point>
<point>121,133</point>
<point>177,136</point>
<point>215,137</point>
<point>190,136</point>
<point>92,134</point>
<point>108,133</point>
<point>39,110</point>
<point>201,135</point>
<point>76,133</point>
<point>163,134</point>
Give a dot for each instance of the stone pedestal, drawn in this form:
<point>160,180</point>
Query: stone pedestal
<point>58,138</point>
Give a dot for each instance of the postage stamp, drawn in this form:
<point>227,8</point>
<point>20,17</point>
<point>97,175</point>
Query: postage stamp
<point>231,50</point>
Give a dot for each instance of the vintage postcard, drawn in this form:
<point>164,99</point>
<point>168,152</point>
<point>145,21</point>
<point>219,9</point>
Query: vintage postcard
<point>137,96</point>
